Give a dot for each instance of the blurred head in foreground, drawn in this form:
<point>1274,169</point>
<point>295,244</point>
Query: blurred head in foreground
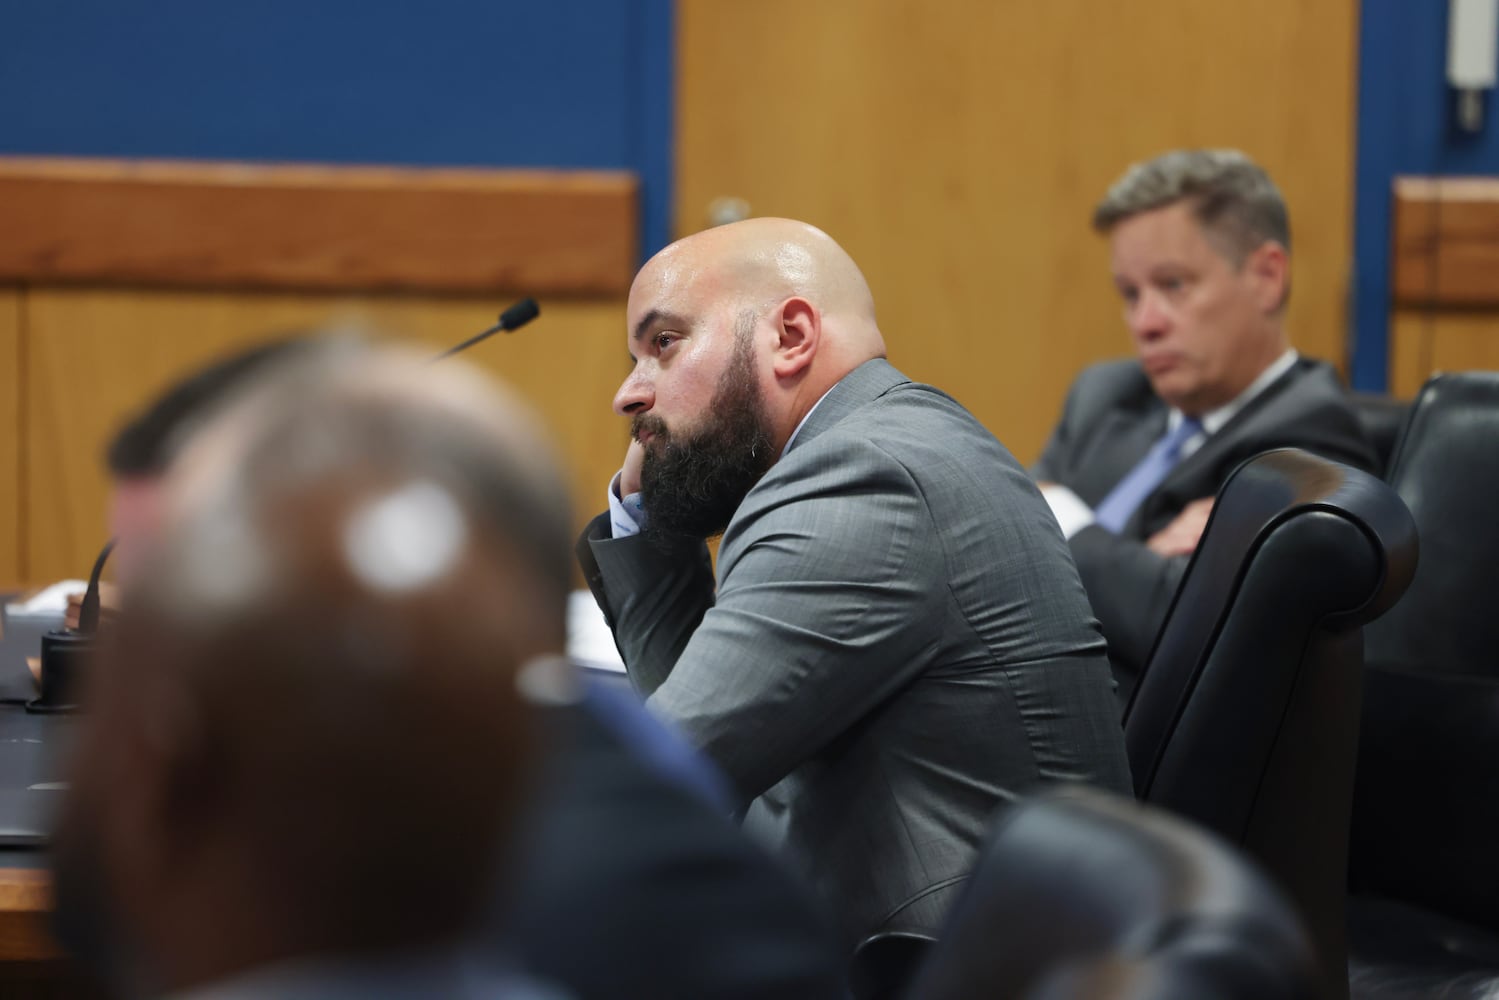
<point>146,444</point>
<point>306,738</point>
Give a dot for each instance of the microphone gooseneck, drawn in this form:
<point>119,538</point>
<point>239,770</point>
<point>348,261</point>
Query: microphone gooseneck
<point>511,319</point>
<point>88,613</point>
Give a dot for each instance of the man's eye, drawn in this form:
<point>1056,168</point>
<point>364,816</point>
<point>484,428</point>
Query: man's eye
<point>1129,295</point>
<point>665,340</point>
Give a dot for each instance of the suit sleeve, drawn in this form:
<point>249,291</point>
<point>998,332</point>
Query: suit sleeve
<point>653,593</point>
<point>828,602</point>
<point>1130,588</point>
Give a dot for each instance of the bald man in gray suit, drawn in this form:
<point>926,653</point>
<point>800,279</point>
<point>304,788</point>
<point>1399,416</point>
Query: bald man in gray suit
<point>896,641</point>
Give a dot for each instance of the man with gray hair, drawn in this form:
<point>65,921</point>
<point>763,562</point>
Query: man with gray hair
<point>1200,246</point>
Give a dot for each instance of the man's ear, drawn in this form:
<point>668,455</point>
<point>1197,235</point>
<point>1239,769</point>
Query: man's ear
<point>799,332</point>
<point>1269,267</point>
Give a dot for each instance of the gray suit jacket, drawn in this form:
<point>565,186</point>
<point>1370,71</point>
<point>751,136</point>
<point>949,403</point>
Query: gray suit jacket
<point>899,643</point>
<point>1111,419</point>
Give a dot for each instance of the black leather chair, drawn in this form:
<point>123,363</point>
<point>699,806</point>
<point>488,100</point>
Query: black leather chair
<point>1426,809</point>
<point>1246,716</point>
<point>1382,418</point>
<point>883,964</point>
<point>1083,894</point>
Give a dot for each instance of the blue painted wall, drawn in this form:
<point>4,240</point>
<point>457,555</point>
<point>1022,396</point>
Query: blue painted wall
<point>1405,126</point>
<point>505,83</point>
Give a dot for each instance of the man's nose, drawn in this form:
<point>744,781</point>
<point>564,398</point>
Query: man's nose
<point>635,395</point>
<point>1148,319</point>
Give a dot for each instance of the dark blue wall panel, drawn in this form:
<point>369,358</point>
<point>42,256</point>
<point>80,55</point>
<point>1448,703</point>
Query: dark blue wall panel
<point>1405,126</point>
<point>545,83</point>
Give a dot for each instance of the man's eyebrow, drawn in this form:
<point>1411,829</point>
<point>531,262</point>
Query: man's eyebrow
<point>653,318</point>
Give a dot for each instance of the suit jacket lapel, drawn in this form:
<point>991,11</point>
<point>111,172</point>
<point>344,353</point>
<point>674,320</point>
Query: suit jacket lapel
<point>1124,437</point>
<point>1179,481</point>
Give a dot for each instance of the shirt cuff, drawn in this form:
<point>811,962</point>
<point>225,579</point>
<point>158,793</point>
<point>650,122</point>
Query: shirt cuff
<point>627,514</point>
<point>1068,508</point>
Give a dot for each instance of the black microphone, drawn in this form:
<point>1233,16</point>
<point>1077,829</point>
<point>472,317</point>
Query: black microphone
<point>88,613</point>
<point>66,653</point>
<point>511,319</point>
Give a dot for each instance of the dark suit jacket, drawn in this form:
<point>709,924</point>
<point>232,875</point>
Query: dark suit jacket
<point>1111,419</point>
<point>899,643</point>
<point>630,886</point>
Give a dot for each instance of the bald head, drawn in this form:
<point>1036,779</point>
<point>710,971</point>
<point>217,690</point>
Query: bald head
<point>757,263</point>
<point>766,259</point>
<point>782,290</point>
<point>312,720</point>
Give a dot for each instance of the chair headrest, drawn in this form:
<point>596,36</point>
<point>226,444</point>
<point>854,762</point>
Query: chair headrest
<point>1078,888</point>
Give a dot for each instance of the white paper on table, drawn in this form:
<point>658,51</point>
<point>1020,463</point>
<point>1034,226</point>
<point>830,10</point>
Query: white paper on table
<point>51,600</point>
<point>589,640</point>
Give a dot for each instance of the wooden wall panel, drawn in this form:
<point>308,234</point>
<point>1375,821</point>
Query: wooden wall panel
<point>1446,242</point>
<point>1425,342</point>
<point>957,149</point>
<point>243,225</point>
<point>12,572</point>
<point>1444,273</point>
<point>98,354</point>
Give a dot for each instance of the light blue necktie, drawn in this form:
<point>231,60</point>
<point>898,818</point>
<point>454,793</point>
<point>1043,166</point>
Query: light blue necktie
<point>1115,510</point>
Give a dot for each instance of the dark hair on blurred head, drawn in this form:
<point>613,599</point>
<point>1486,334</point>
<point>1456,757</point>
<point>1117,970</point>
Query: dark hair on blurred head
<point>151,438</point>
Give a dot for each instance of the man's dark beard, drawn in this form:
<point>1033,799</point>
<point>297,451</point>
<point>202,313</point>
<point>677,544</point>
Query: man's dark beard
<point>691,484</point>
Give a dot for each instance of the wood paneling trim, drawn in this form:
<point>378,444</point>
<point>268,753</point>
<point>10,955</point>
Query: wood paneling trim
<point>184,224</point>
<point>25,905</point>
<point>1446,241</point>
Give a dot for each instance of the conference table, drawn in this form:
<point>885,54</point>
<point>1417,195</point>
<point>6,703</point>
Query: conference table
<point>31,761</point>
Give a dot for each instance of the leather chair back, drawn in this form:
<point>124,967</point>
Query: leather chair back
<point>1246,716</point>
<point>1382,419</point>
<point>1427,802</point>
<point>1083,894</point>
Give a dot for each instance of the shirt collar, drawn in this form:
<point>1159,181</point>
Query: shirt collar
<point>1214,420</point>
<point>804,420</point>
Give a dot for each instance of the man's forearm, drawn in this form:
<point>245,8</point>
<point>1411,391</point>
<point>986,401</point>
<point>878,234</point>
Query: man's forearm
<point>1130,588</point>
<point>654,594</point>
